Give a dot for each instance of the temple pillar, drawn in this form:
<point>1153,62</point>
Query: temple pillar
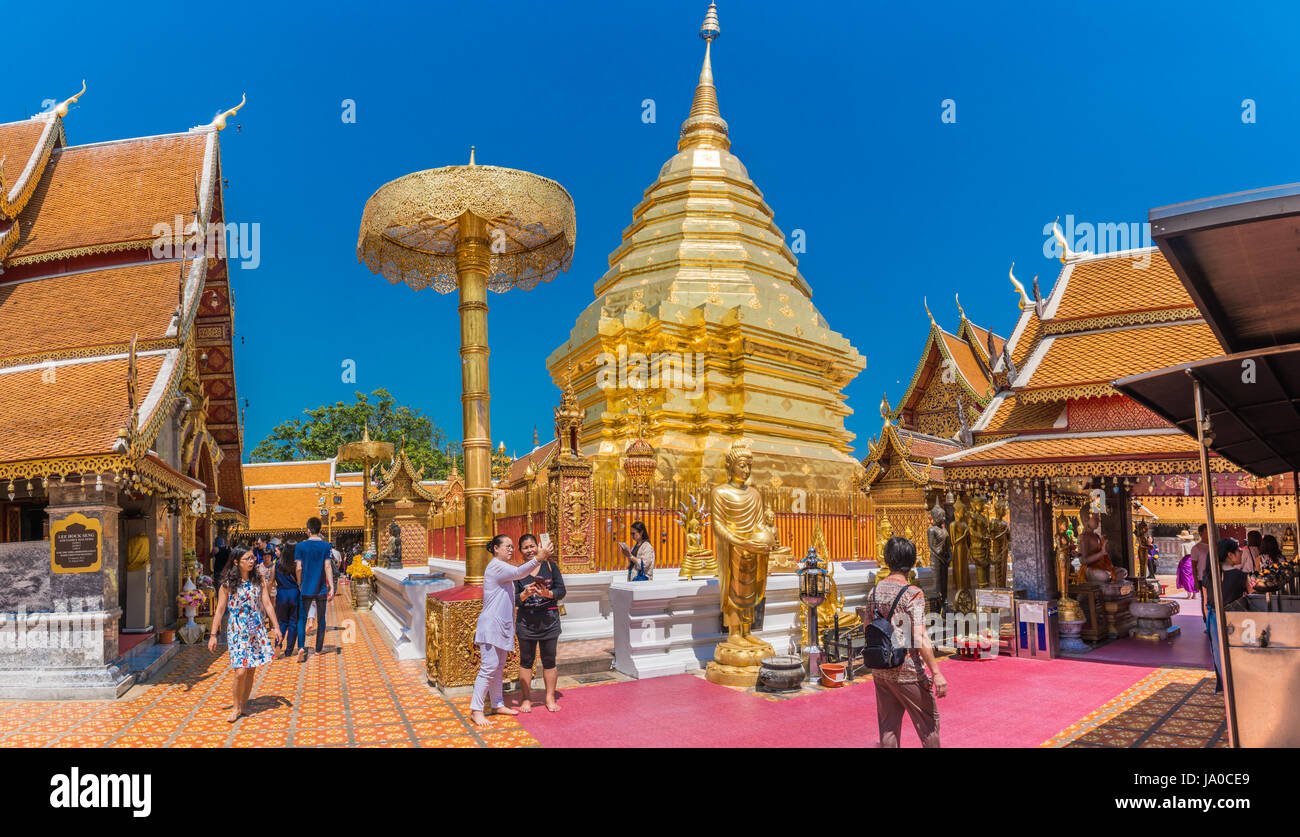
<point>569,514</point>
<point>59,610</point>
<point>1032,555</point>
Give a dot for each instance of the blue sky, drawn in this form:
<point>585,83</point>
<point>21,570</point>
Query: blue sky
<point>1101,110</point>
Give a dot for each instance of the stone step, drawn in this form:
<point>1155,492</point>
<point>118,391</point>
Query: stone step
<point>148,658</point>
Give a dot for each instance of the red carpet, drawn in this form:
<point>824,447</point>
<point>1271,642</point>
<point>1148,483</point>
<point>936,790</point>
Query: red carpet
<point>999,703</point>
<point>125,642</point>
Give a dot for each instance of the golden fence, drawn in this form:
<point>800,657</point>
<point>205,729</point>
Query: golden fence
<point>847,520</point>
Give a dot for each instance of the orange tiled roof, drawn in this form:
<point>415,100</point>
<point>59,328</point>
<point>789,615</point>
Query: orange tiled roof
<point>1163,445</point>
<point>961,353</point>
<point>287,509</point>
<point>70,410</point>
<point>1013,415</point>
<point>981,336</point>
<point>286,473</point>
<point>17,143</point>
<point>96,195</point>
<point>1111,285</point>
<point>537,458</point>
<point>97,307</point>
<point>1101,357</point>
<point>1027,341</point>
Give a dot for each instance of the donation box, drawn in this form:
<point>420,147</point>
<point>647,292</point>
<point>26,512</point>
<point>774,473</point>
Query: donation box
<point>1036,629</point>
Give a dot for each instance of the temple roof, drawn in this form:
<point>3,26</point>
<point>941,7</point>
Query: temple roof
<point>1107,317</point>
<point>73,408</point>
<point>401,480</point>
<point>968,363</point>
<point>539,457</point>
<point>282,495</point>
<point>80,283</point>
<point>67,209</point>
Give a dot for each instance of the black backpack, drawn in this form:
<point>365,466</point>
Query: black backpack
<point>879,651</point>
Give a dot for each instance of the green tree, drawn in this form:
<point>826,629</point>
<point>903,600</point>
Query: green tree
<point>319,435</point>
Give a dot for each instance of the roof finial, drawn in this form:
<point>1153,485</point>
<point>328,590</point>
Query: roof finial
<point>471,156</point>
<point>705,125</point>
<point>926,303</point>
<point>62,108</point>
<point>885,409</point>
<point>1024,297</point>
<point>220,122</point>
<point>960,310</point>
<point>1067,255</point>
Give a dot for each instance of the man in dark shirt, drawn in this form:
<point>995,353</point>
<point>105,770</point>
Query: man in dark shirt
<point>315,580</point>
<point>1233,586</point>
<point>220,556</point>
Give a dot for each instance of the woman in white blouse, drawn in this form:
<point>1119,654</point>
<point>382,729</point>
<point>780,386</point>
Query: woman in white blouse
<point>495,633</point>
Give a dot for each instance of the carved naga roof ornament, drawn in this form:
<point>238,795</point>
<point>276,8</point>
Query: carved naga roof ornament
<point>62,107</point>
<point>1067,255</point>
<point>220,121</point>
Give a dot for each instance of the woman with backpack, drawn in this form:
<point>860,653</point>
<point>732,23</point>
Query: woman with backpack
<point>907,686</point>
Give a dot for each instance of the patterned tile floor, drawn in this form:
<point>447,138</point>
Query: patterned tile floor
<point>1170,707</point>
<point>361,697</point>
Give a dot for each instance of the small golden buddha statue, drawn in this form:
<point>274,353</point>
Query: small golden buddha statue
<point>999,542</point>
<point>959,536</point>
<point>743,536</point>
<point>979,540</point>
<point>697,562</point>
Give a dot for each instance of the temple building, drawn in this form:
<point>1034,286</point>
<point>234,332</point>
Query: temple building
<point>704,309</point>
<point>952,383</point>
<point>1059,434</point>
<point>281,496</point>
<point>121,443</point>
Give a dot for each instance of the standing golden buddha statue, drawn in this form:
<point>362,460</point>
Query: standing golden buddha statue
<point>959,535</point>
<point>979,540</point>
<point>744,535</point>
<point>999,542</point>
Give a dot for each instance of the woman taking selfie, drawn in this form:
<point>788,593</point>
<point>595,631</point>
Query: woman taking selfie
<point>495,633</point>
<point>640,556</point>
<point>537,623</point>
<point>247,598</point>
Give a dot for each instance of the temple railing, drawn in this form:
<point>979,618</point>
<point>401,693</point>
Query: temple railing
<point>846,519</point>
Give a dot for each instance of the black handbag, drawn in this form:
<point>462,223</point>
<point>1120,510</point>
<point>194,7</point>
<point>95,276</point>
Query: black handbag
<point>879,651</point>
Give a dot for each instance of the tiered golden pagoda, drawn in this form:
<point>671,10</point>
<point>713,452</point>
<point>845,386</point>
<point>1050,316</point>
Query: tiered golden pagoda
<point>705,298</point>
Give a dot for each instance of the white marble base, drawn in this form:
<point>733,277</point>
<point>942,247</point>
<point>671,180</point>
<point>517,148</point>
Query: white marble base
<point>670,626</point>
<point>399,609</point>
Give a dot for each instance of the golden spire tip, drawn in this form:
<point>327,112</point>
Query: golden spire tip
<point>471,156</point>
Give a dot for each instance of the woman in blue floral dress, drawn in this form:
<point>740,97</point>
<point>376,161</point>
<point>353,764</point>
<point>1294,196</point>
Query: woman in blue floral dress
<point>243,599</point>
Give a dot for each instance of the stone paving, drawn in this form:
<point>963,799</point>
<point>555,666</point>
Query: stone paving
<point>1171,707</point>
<point>355,694</point>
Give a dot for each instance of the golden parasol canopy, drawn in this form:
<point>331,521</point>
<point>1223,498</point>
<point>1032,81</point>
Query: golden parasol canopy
<point>366,450</point>
<point>410,227</point>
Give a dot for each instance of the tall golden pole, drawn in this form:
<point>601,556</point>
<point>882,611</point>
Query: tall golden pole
<point>1212,561</point>
<point>472,274</point>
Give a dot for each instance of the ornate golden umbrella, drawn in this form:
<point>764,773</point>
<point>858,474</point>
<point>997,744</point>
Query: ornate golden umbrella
<point>366,451</point>
<point>470,229</point>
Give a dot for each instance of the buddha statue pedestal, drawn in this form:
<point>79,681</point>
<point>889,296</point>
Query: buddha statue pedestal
<point>1117,602</point>
<point>1088,595</point>
<point>1155,620</point>
<point>1070,641</point>
<point>738,664</point>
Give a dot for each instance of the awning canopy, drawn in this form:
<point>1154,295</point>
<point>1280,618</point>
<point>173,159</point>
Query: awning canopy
<point>1252,399</point>
<point>1237,257</point>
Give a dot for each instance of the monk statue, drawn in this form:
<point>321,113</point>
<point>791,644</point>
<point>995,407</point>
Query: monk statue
<point>744,535</point>
<point>999,542</point>
<point>1067,607</point>
<point>1093,554</point>
<point>940,550</point>
<point>979,540</point>
<point>959,537</point>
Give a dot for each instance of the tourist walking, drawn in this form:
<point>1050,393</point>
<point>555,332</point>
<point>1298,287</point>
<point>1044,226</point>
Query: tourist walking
<point>1187,575</point>
<point>495,632</point>
<point>537,623</point>
<point>1250,552</point>
<point>243,599</point>
<point>640,556</point>
<point>1200,555</point>
<point>906,688</point>
<point>315,583</point>
<point>287,598</point>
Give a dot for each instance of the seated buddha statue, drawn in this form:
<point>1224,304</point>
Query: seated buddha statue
<point>1093,554</point>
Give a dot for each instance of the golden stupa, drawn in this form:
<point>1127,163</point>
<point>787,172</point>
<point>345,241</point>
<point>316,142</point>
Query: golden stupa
<point>704,309</point>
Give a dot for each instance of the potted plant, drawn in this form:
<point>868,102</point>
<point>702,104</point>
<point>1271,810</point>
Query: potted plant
<point>362,578</point>
<point>190,600</point>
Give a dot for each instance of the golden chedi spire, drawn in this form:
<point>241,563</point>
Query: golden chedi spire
<point>705,125</point>
<point>704,306</point>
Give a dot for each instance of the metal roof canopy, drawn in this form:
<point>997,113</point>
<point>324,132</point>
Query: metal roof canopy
<point>1252,400</point>
<point>1238,256</point>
